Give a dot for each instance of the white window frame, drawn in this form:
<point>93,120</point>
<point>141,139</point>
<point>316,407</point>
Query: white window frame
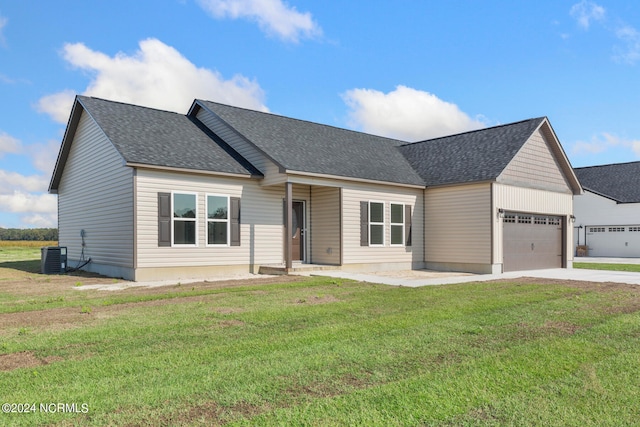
<point>396,224</point>
<point>208,220</point>
<point>173,220</point>
<point>383,223</point>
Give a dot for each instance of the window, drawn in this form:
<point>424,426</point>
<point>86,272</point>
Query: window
<point>540,220</point>
<point>615,229</point>
<point>217,220</point>
<point>397,224</point>
<point>634,228</point>
<point>184,219</point>
<point>510,218</point>
<point>524,219</point>
<point>596,229</point>
<point>376,224</point>
<point>554,221</point>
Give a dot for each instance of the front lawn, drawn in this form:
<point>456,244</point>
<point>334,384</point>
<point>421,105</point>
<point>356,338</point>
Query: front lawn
<point>322,351</point>
<point>607,266</point>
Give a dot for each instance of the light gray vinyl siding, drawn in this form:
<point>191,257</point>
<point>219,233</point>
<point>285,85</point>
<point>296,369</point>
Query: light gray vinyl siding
<point>458,224</point>
<point>535,166</point>
<point>353,253</point>
<point>260,229</point>
<point>96,195</point>
<point>325,225</point>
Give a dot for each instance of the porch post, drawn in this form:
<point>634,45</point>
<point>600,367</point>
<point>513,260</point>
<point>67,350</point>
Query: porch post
<point>288,252</point>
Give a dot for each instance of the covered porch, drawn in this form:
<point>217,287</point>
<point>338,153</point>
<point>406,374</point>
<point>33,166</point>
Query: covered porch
<point>312,229</point>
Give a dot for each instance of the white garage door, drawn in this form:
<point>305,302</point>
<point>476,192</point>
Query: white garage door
<point>531,242</point>
<point>613,240</point>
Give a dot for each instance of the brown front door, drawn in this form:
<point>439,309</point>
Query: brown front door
<point>297,239</point>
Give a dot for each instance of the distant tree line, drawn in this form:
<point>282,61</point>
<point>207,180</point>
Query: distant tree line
<point>41,234</point>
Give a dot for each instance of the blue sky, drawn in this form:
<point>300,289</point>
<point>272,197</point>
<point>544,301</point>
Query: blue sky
<point>410,70</point>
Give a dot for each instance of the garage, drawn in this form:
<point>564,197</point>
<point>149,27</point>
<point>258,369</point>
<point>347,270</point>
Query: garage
<point>532,242</point>
<point>613,240</point>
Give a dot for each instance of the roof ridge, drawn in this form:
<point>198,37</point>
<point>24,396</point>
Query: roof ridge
<point>475,130</point>
<point>304,121</point>
<point>129,104</point>
<point>608,164</point>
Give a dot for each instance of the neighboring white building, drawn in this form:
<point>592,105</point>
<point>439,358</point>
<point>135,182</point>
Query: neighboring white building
<point>148,194</point>
<point>608,213</point>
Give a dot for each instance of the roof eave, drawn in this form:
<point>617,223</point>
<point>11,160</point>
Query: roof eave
<point>613,199</point>
<point>453,184</point>
<point>351,179</point>
<point>576,187</point>
<point>65,147</point>
<point>193,171</point>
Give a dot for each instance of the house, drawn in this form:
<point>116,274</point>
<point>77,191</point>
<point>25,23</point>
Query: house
<point>149,194</point>
<point>608,213</point>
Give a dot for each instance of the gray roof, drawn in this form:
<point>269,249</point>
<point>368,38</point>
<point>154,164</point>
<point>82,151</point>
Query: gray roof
<point>302,146</point>
<point>161,138</point>
<point>619,182</point>
<point>479,155</point>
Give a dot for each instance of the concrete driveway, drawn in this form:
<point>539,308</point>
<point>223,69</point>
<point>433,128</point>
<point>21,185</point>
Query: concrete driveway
<point>415,278</point>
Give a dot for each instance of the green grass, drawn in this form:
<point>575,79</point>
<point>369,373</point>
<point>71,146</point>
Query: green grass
<point>11,250</point>
<point>326,351</point>
<point>606,266</point>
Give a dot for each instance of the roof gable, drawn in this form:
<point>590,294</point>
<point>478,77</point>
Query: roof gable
<point>301,146</point>
<point>146,136</point>
<point>475,156</point>
<point>619,182</point>
<point>537,166</point>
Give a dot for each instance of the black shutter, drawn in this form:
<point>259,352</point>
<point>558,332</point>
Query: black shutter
<point>407,225</point>
<point>235,221</point>
<point>164,219</point>
<point>364,223</point>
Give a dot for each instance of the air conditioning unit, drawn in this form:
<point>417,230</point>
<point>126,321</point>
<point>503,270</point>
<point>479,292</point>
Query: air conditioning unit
<point>53,259</point>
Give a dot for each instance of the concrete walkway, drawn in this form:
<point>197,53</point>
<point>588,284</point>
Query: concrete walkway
<point>555,273</point>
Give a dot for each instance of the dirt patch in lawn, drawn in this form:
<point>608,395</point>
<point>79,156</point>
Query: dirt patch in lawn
<point>24,359</point>
<point>55,318</point>
<point>324,299</point>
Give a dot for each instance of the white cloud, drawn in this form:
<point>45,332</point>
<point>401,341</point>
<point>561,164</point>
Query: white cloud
<point>273,16</point>
<point>13,181</point>
<point>157,76</point>
<point>21,202</point>
<point>585,12</point>
<point>406,114</point>
<point>9,144</point>
<point>40,221</point>
<point>630,53</point>
<point>44,156</point>
<point>57,105</point>
<point>603,142</point>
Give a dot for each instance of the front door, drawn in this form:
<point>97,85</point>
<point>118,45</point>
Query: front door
<point>297,239</point>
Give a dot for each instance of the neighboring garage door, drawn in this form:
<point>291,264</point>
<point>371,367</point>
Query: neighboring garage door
<point>531,241</point>
<point>613,240</point>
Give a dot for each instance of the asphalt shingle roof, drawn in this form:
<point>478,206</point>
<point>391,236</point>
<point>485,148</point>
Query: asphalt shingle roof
<point>620,182</point>
<point>474,156</point>
<point>161,138</point>
<point>303,146</point>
